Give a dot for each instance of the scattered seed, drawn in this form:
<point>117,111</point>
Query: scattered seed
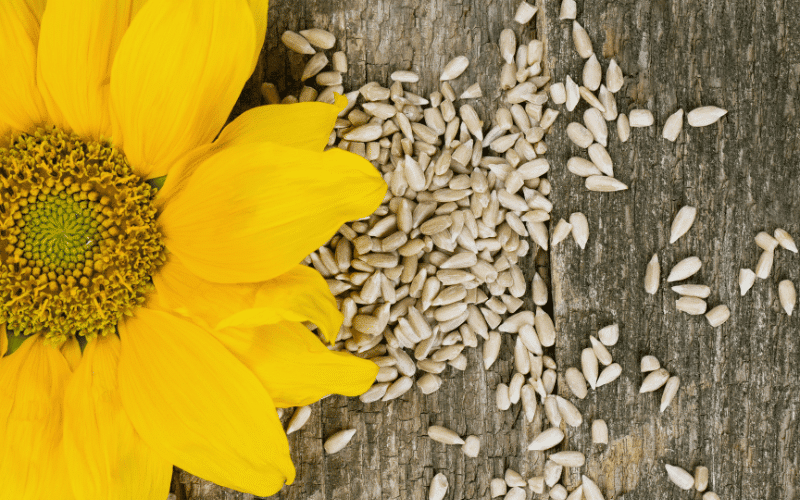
<point>602,183</point>
<point>592,73</point>
<point>591,99</point>
<point>404,76</point>
<point>569,412</point>
<point>471,446</point>
<point>589,366</point>
<point>473,92</point>
<point>787,295</point>
<point>580,229</point>
<point>640,118</point>
<point>561,231</point>
<point>609,335</point>
<point>558,93</point>
<point>590,489</point>
<point>338,441</point>
<point>680,477</point>
<point>701,478</point>
<point>673,126</point>
<point>299,419</point>
<point>429,383</point>
<point>670,390</point>
<point>599,432</point>
<point>704,116</point>
<point>785,240</point>
<point>654,380</point>
<point>568,459</point>
<point>525,12</point>
<point>650,363</point>
<point>766,242</point>
<point>573,94</point>
<point>701,291</point>
<point>583,44</point>
<point>600,351</point>
<point>609,374</point>
<point>515,493</point>
<point>297,43</point>
<point>314,66</point>
<point>764,265</point>
<point>582,167</point>
<point>718,315</point>
<point>339,62</point>
<point>746,280</point>
<point>546,439</point>
<point>609,102</point>
<point>319,38</point>
<point>601,158</point>
<point>596,124</point>
<point>623,127</point>
<point>576,494</point>
<point>454,68</point>
<point>514,479</point>
<point>508,45</point>
<point>502,397</point>
<point>684,269</point>
<point>398,388</point>
<point>579,135</point>
<point>682,222</point>
<point>691,305</point>
<point>614,78</point>
<point>374,393</point>
<point>558,492</point>
<point>569,10</point>
<point>498,487</point>
<point>536,484</point>
<point>444,435</point>
<point>710,495</point>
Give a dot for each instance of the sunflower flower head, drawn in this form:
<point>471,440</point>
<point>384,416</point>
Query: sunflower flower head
<point>142,328</point>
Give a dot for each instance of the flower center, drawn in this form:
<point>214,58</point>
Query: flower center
<point>78,236</point>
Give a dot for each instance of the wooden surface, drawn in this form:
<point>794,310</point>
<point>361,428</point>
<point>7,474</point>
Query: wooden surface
<point>737,409</point>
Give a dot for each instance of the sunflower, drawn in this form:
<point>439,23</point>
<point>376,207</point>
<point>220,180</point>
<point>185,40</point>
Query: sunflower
<point>144,327</point>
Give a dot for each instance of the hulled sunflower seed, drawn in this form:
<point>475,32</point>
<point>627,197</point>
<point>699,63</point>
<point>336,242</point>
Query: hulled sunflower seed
<point>609,102</point>
<point>600,351</point>
<point>580,229</point>
<point>444,435</point>
<point>404,76</point>
<point>701,478</point>
<point>787,295</point>
<point>569,10</point>
<point>338,441</point>
<point>429,383</point>
<point>673,126</point>
<point>364,133</point>
<point>609,374</point>
<point>498,487</point>
<point>604,184</point>
<point>569,412</point>
<point>297,43</point>
<point>558,93</point>
<point>582,167</point>
<point>684,269</point>
<point>652,275</point>
<point>561,231</point>
<point>590,489</point>
<point>654,380</point>
<point>701,291</point>
<point>589,366</point>
<point>472,92</point>
<point>568,459</point>
<point>592,73</point>
<point>718,315</point>
<point>502,397</point>
<point>609,335</point>
<point>491,348</point>
<point>670,390</point>
<point>680,477</point>
<point>470,118</point>
<point>552,473</point>
<point>454,68</point>
<point>548,118</point>
<point>764,265</point>
<point>545,328</point>
<point>682,222</point>
<point>438,487</point>
<point>314,66</point>
<point>319,38</point>
<point>573,94</point>
<point>599,432</point>
<point>508,44</point>
<point>546,439</point>
<point>339,62</point>
<point>601,158</point>
<point>785,240</point>
<point>710,495</point>
<point>525,12</point>
<point>515,493</point>
<point>591,99</point>
<point>649,363</point>
<point>691,305</point>
<point>398,388</point>
<point>640,118</point>
<point>596,124</point>
<point>558,492</point>
<point>528,397</point>
<point>299,419</point>
<point>614,78</point>
<point>375,393</point>
<point>746,280</point>
<point>583,44</point>
<point>471,446</point>
<point>579,135</point>
<point>623,127</point>
<point>766,242</point>
<point>514,479</point>
<point>576,382</point>
<point>704,116</point>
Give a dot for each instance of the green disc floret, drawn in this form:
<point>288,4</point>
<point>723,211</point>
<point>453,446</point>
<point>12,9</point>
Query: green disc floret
<point>78,236</point>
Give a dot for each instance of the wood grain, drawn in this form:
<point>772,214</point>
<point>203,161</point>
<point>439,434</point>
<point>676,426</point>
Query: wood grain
<point>737,409</point>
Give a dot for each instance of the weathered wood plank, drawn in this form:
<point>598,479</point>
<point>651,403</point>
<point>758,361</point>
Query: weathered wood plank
<point>737,410</point>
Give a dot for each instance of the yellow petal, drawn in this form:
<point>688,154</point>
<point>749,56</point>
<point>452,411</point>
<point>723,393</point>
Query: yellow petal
<point>106,457</point>
<point>21,104</point>
<point>252,212</point>
<point>300,294</point>
<point>32,382</point>
<point>177,73</point>
<point>259,8</point>
<point>71,350</point>
<point>3,340</point>
<point>198,406</point>
<point>77,45</point>
<point>303,125</point>
<point>295,367</point>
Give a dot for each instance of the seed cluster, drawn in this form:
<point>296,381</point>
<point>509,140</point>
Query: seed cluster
<point>78,238</point>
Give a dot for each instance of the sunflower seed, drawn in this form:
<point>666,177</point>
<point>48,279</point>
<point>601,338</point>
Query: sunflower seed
<point>614,78</point>
<point>764,265</point>
<point>609,335</point>
<point>654,380</point>
<point>766,242</point>
<point>568,459</point>
<point>473,92</point>
<point>454,68</point>
<point>558,93</point>
<point>573,94</point>
<point>546,439</point>
<point>528,397</point>
<point>314,66</point>
<point>580,229</point>
<point>684,269</point>
<point>270,93</point>
<point>297,43</point>
<point>498,487</point>
<point>673,126</point>
<point>787,295</point>
<point>338,441</point>
<point>650,363</point>
<point>514,479</point>
<point>471,446</point>
<point>404,76</point>
<point>600,351</point>
<point>609,102</point>
<point>718,315</point>
<point>471,120</point>
<point>502,397</point>
<point>558,492</point>
<point>609,374</point>
<point>596,124</point>
<point>589,366</point>
<point>515,493</point>
<point>319,38</point>
<point>576,382</point>
<point>444,435</point>
<point>599,432</point>
<point>536,484</point>
<point>623,127</point>
<point>579,135</point>
<point>339,62</point>
<point>525,12</point>
<point>605,184</point>
<point>591,99</point>
<point>576,494</point>
<point>491,348</point>
<point>569,10</point>
<point>691,305</point>
<point>545,328</point>
<point>582,167</point>
<point>680,477</point>
<point>429,383</point>
<point>375,393</point>
<point>746,279</point>
<point>710,496</point>
<point>548,118</point>
<point>299,419</point>
<point>701,478</point>
<point>508,44</point>
<point>364,133</point>
<point>592,73</point>
<point>704,116</point>
<point>569,412</point>
<point>583,44</point>
<point>640,118</point>
<point>701,291</point>
<point>438,487</point>
<point>590,489</point>
<point>682,222</point>
<point>398,388</point>
<point>670,390</point>
<point>601,158</point>
<point>785,240</point>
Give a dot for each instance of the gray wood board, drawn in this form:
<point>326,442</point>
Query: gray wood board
<point>737,409</point>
